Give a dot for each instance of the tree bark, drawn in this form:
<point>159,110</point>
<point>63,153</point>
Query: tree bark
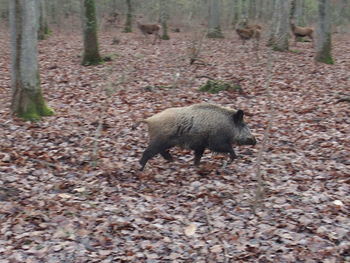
<point>279,37</point>
<point>324,36</point>
<point>91,54</point>
<point>252,9</point>
<point>43,31</point>
<point>27,99</point>
<point>300,12</point>
<point>236,12</point>
<point>214,30</point>
<point>164,15</point>
<point>244,10</point>
<point>128,22</point>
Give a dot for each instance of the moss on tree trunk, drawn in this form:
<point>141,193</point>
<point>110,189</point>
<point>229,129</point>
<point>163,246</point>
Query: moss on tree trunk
<point>44,32</point>
<point>33,107</point>
<point>165,35</point>
<point>324,42</point>
<point>91,54</point>
<point>28,102</point>
<point>164,16</point>
<point>324,55</point>
<point>215,33</point>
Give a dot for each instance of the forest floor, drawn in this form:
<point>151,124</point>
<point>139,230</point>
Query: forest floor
<point>70,185</point>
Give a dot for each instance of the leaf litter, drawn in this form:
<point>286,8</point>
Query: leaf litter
<point>59,202</point>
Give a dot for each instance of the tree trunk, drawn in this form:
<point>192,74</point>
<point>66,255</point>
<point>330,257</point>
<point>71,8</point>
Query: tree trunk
<point>279,39</point>
<point>270,12</point>
<point>43,31</point>
<point>296,14</point>
<point>244,11</point>
<point>236,12</point>
<point>341,17</point>
<point>252,9</point>
<point>91,54</point>
<point>261,6</point>
<point>300,12</point>
<point>164,15</point>
<point>128,22</point>
<point>324,36</point>
<point>27,100</point>
<point>214,30</point>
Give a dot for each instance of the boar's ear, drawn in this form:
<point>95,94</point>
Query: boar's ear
<point>238,116</point>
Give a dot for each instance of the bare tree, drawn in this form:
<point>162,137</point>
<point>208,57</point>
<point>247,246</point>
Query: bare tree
<point>128,22</point>
<point>236,11</point>
<point>91,54</point>
<point>300,12</point>
<point>43,31</point>
<point>279,34</point>
<point>164,16</point>
<point>324,36</point>
<point>214,30</point>
<point>27,99</point>
<point>252,9</point>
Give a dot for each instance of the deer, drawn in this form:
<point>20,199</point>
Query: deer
<point>112,18</point>
<point>249,32</point>
<point>299,31</point>
<point>149,29</point>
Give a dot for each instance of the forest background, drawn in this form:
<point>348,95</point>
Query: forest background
<point>70,185</point>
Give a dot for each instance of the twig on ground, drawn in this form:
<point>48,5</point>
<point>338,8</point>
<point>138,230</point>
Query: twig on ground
<point>223,243</point>
<point>259,194</point>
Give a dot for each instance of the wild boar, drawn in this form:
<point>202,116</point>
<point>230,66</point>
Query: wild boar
<point>196,127</point>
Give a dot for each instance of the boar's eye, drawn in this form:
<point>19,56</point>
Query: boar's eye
<point>238,117</point>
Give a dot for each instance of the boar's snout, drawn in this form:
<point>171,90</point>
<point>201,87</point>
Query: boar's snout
<point>251,141</point>
<point>247,141</point>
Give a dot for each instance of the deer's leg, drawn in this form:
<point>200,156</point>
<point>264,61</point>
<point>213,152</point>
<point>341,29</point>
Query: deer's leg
<point>312,40</point>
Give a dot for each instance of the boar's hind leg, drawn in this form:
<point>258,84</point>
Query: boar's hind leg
<point>152,150</point>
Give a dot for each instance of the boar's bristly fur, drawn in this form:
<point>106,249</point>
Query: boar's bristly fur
<point>196,127</point>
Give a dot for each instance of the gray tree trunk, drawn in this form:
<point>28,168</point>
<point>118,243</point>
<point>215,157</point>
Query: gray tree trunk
<point>270,11</point>
<point>27,100</point>
<point>244,11</point>
<point>236,11</point>
<point>261,9</point>
<point>279,38</point>
<point>341,17</point>
<point>323,33</point>
<point>43,31</point>
<point>164,16</point>
<point>252,9</point>
<point>91,54</point>
<point>214,30</point>
<point>300,12</point>
<point>128,22</point>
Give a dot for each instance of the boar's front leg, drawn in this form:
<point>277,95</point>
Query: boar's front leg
<point>166,155</point>
<point>221,145</point>
<point>198,153</point>
<point>232,154</point>
<point>227,149</point>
